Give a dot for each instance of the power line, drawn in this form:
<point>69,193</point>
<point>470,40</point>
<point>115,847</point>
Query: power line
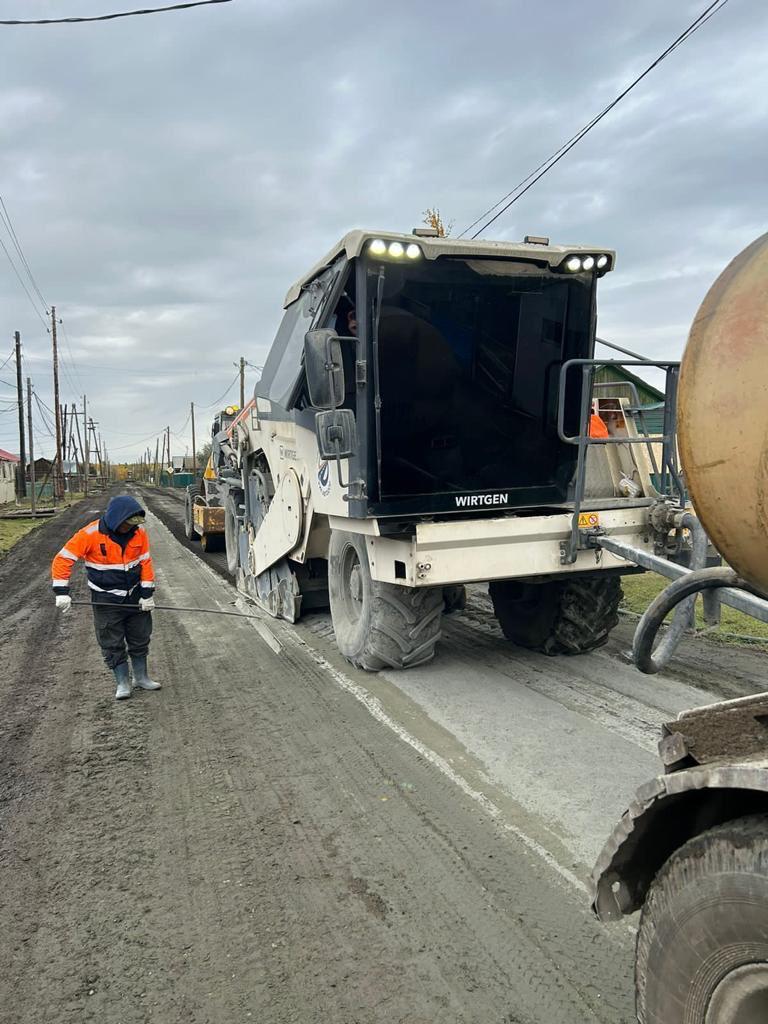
<point>17,244</point>
<point>43,417</point>
<point>10,357</point>
<point>23,285</point>
<point>135,444</point>
<point>71,357</point>
<point>121,14</point>
<point>218,400</point>
<point>528,182</point>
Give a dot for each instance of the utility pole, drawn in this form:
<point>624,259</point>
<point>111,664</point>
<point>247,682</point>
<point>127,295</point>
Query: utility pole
<point>168,449</point>
<point>242,382</point>
<point>154,468</point>
<point>64,447</point>
<point>21,482</point>
<point>58,482</point>
<point>162,460</point>
<point>194,450</point>
<point>31,448</point>
<point>87,449</point>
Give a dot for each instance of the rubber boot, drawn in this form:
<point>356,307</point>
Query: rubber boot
<point>140,677</point>
<point>123,681</point>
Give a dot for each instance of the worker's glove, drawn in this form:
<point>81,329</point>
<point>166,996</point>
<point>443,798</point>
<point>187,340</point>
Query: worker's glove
<point>63,602</point>
<point>146,604</point>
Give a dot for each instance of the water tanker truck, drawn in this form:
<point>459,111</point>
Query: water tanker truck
<point>691,852</point>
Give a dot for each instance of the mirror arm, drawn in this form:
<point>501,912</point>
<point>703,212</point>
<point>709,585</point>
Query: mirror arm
<point>338,467</point>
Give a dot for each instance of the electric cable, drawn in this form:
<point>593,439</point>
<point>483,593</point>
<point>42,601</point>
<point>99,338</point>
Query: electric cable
<point>71,357</point>
<point>219,400</point>
<point>46,423</point>
<point>23,285</point>
<point>530,180</point>
<point>6,217</point>
<point>112,17</point>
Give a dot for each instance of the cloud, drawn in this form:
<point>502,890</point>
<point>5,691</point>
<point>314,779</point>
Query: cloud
<point>171,176</point>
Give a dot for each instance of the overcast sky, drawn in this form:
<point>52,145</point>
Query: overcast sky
<point>170,176</point>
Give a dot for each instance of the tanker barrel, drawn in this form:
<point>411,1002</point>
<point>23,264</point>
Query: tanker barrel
<point>723,414</point>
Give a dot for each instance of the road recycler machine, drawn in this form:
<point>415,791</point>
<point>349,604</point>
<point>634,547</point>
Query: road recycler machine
<point>419,425</point>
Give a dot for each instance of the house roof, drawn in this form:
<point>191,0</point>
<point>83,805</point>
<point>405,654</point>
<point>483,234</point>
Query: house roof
<point>7,456</point>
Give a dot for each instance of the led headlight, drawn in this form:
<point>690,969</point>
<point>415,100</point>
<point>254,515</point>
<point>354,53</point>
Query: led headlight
<point>413,251</point>
<point>602,262</point>
<point>396,249</point>
<point>378,247</point>
<point>588,263</point>
<point>573,264</point>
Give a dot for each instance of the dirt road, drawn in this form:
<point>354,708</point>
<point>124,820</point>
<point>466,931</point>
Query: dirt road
<point>275,837</point>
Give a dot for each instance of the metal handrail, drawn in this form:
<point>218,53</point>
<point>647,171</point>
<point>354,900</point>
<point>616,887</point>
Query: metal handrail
<point>669,467</point>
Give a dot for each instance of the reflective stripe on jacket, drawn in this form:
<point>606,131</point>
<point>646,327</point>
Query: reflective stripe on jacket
<point>114,573</point>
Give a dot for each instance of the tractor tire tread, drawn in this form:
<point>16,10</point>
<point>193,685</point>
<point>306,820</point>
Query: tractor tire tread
<point>405,627</point>
<point>697,876</point>
<point>570,616</point>
<point>401,625</point>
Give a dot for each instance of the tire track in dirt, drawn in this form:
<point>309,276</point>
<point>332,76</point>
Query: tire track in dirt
<point>249,844</point>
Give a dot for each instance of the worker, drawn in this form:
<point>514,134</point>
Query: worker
<point>597,425</point>
<point>121,578</point>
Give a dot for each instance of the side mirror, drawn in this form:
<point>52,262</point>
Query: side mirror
<point>336,433</point>
<point>324,368</point>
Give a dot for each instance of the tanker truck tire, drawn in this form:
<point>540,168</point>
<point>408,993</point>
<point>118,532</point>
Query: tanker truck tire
<point>189,497</point>
<point>570,616</point>
<point>231,535</point>
<point>702,945</point>
<point>378,625</point>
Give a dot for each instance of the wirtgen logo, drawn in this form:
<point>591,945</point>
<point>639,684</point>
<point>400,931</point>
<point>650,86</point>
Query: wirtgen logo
<point>479,500</point>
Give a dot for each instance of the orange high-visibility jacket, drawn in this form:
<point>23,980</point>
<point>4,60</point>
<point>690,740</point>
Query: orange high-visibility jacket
<point>597,426</point>
<point>116,575</point>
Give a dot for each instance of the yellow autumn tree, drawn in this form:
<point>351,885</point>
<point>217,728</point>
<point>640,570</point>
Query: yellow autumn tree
<point>433,219</point>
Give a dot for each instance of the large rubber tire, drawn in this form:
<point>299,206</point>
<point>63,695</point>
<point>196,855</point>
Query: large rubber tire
<point>189,530</point>
<point>211,542</point>
<point>231,535</point>
<point>570,616</point>
<point>378,625</point>
<point>702,945</point>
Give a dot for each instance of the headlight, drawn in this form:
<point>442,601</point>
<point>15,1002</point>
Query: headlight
<point>573,264</point>
<point>588,262</point>
<point>395,250</point>
<point>602,262</point>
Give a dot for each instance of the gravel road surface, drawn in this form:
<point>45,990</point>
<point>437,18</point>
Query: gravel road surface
<point>276,837</point>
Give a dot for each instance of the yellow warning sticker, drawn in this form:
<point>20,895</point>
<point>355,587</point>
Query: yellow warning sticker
<point>588,520</point>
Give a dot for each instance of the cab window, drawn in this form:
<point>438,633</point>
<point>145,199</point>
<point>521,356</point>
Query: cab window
<point>283,370</point>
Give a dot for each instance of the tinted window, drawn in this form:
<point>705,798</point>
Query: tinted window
<point>469,353</point>
<point>284,366</point>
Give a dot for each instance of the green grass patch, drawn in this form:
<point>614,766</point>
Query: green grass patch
<point>640,590</point>
<point>44,502</point>
<point>12,530</point>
